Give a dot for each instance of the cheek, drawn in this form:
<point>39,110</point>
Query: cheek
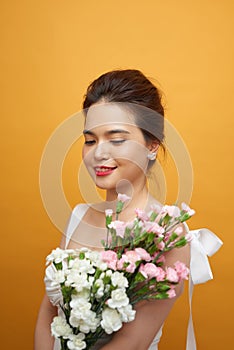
<point>135,153</point>
<point>86,155</point>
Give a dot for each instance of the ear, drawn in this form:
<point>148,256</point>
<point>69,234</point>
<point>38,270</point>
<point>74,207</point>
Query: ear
<point>153,146</point>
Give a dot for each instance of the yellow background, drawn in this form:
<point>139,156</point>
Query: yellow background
<point>51,51</point>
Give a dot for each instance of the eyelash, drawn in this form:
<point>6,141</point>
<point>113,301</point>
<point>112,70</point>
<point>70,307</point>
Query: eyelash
<point>89,142</point>
<point>117,142</point>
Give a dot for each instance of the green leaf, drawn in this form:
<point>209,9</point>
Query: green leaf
<point>139,277</point>
<point>152,249</point>
<point>108,220</point>
<point>81,256</point>
<point>59,266</point>
<point>181,243</point>
<point>67,291</point>
<point>153,216</point>
<point>103,243</point>
<point>150,237</point>
<point>173,237</point>
<point>161,296</point>
<point>166,219</point>
<point>163,287</point>
<point>184,217</point>
<point>119,207</point>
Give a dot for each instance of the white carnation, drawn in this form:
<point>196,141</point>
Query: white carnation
<point>91,280</point>
<point>99,293</point>
<point>93,255</point>
<point>83,265</point>
<point>60,328</point>
<point>84,250</point>
<point>111,320</point>
<point>109,273</point>
<point>101,265</point>
<point>76,342</point>
<point>102,275</point>
<point>79,303</point>
<point>57,256</point>
<point>84,294</point>
<point>107,288</point>
<point>118,298</point>
<point>100,288</point>
<point>77,280</point>
<point>127,313</point>
<point>84,318</point>
<point>58,278</point>
<point>119,280</point>
<point>99,283</point>
<point>89,323</point>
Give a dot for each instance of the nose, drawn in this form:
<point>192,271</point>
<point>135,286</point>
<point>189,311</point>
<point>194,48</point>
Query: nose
<point>102,151</point>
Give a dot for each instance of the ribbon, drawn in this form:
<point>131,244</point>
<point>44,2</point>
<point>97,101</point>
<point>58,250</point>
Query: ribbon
<point>52,288</point>
<point>203,243</point>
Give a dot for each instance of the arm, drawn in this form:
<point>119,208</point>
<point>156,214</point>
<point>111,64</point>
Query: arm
<point>150,315</point>
<point>43,339</point>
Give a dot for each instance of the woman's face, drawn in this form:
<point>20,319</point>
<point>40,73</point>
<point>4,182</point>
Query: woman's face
<point>114,148</point>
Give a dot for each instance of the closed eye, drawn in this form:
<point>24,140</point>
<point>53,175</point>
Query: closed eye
<point>117,141</point>
<point>90,142</point>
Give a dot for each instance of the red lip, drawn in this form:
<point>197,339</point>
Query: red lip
<point>104,170</point>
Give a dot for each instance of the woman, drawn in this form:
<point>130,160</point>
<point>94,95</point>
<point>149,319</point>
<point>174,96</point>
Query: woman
<point>123,132</point>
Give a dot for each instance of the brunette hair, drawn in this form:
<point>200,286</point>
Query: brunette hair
<point>134,89</point>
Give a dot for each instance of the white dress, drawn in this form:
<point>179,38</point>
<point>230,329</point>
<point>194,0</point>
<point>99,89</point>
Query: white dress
<point>204,243</point>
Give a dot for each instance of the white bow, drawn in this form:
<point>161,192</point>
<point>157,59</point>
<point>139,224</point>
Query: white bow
<point>203,243</point>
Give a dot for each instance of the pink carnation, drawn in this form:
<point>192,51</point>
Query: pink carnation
<point>123,197</point>
<point>182,270</point>
<point>161,245</point>
<point>188,237</point>
<point>143,254</point>
<point>171,293</point>
<point>131,267</point>
<point>186,208</point>
<point>108,212</point>
<point>141,214</point>
<point>131,256</point>
<point>160,274</point>
<point>171,210</point>
<point>178,230</point>
<point>130,224</point>
<point>172,275</point>
<point>154,227</point>
<point>119,226</point>
<point>120,263</point>
<point>148,270</point>
<point>110,258</point>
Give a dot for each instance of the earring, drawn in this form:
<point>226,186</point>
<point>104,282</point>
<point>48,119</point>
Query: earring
<point>152,155</point>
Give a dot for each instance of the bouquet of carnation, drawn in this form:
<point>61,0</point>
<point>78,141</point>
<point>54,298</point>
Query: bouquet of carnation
<point>99,289</point>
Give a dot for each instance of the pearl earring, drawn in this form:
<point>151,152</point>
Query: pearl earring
<point>152,155</point>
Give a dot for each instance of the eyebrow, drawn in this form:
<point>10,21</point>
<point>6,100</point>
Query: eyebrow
<point>110,132</point>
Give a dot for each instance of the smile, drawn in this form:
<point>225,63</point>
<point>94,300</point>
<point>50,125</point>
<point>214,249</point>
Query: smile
<point>103,170</point>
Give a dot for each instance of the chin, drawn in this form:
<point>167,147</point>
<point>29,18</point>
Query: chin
<point>105,187</point>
